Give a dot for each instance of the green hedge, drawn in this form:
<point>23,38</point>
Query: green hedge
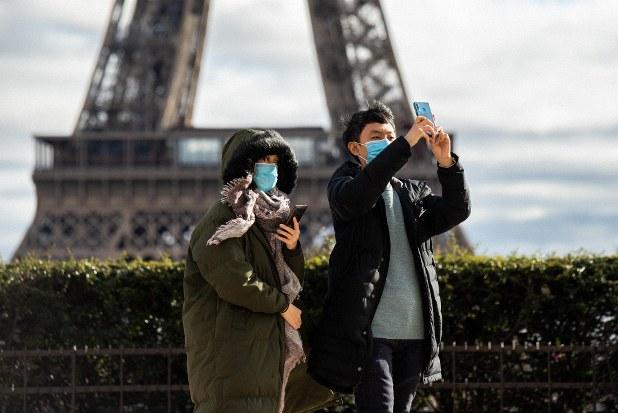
<point>51,304</point>
<point>569,299</point>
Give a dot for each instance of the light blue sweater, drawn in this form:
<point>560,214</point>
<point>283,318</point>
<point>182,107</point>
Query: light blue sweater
<point>400,312</point>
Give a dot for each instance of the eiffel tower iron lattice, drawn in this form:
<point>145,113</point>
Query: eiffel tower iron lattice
<point>135,175</point>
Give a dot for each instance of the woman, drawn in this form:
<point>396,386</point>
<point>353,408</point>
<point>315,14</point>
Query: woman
<point>243,271</point>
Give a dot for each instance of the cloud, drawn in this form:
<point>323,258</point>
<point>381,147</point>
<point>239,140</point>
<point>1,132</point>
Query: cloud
<point>559,232</point>
<point>260,67</point>
<point>48,54</point>
<point>43,27</point>
<point>590,154</point>
<point>550,191</point>
<point>250,93</point>
<point>510,64</point>
<point>80,16</point>
<point>45,96</point>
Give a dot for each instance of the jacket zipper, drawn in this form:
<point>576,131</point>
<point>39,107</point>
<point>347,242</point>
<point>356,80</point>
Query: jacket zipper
<point>280,320</point>
<point>417,252</point>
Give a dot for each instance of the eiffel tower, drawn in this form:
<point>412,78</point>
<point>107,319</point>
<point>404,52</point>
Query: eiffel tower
<point>135,175</point>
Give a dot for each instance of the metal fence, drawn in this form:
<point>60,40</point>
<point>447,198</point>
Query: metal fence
<point>539,375</point>
<point>27,374</point>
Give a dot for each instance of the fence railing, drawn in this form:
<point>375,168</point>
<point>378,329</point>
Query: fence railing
<point>27,374</point>
<point>551,354</point>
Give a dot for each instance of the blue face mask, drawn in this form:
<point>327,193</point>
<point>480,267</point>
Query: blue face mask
<point>375,147</point>
<point>265,176</point>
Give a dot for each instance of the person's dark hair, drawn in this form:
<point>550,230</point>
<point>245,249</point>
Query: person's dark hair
<point>377,112</point>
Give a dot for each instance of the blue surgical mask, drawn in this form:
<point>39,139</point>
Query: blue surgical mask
<point>265,176</point>
<point>375,147</point>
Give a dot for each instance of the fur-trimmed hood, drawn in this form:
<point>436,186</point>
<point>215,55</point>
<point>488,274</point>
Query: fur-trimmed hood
<point>245,147</point>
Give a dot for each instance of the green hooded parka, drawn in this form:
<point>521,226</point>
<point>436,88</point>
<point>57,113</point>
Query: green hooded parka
<point>234,333</point>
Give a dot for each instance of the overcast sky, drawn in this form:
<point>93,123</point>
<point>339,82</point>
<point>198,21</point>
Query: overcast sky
<point>530,88</point>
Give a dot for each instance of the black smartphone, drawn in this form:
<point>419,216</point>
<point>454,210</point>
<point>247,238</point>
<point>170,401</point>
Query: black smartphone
<point>297,211</point>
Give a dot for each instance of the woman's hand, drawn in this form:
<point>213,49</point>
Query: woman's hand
<point>440,145</point>
<point>422,128</point>
<point>292,316</point>
<point>289,236</point>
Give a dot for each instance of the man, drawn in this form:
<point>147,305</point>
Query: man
<point>382,325</point>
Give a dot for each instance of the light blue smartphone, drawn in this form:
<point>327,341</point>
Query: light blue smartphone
<point>423,109</point>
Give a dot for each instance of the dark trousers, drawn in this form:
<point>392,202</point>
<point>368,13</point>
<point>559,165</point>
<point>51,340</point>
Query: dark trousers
<point>388,384</point>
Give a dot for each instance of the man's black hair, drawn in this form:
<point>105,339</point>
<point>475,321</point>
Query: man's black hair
<point>377,112</point>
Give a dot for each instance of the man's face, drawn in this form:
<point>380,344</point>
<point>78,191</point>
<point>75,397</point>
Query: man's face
<point>371,132</point>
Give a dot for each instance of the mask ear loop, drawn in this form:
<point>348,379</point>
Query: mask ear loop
<point>365,145</point>
<point>360,156</point>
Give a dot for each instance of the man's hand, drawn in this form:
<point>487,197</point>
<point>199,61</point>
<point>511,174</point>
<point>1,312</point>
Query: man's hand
<point>292,316</point>
<point>440,145</point>
<point>289,236</point>
<point>422,128</point>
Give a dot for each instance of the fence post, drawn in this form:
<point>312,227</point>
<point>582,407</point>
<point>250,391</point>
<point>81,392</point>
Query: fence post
<point>121,401</point>
<point>594,378</point>
<point>548,377</point>
<point>73,364</point>
<point>453,393</point>
<point>501,376</point>
<point>169,379</point>
<point>25,383</point>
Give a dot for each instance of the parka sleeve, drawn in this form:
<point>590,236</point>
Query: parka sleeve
<point>453,207</point>
<point>226,268</point>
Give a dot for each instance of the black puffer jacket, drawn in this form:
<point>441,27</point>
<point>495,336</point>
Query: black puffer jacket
<point>342,342</point>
